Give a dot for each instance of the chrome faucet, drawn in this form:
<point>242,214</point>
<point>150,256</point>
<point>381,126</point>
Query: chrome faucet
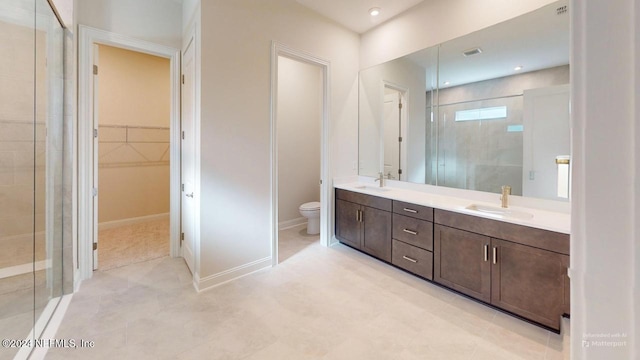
<point>506,191</point>
<point>381,179</point>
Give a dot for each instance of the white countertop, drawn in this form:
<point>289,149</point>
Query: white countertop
<point>541,219</point>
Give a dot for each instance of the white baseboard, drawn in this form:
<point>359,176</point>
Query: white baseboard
<point>284,225</point>
<point>24,268</point>
<point>131,221</point>
<point>224,277</point>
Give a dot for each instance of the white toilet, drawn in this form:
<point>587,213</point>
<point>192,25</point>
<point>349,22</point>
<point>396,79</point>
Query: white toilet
<point>311,211</point>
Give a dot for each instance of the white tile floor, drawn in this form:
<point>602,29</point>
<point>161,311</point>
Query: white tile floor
<point>320,303</point>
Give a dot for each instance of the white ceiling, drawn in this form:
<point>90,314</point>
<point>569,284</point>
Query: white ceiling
<point>354,14</point>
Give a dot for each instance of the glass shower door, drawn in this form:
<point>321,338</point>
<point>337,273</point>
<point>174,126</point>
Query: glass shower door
<point>31,159</point>
<point>17,114</point>
<point>48,141</point>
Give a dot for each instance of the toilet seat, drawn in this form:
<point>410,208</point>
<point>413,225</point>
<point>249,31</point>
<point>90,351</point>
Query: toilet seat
<point>314,205</point>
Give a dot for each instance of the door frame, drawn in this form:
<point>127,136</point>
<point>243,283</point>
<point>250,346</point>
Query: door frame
<point>326,203</point>
<point>87,221</point>
<point>404,98</point>
<point>190,40</point>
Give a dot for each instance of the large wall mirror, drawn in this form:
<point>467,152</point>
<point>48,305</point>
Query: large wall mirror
<point>484,110</point>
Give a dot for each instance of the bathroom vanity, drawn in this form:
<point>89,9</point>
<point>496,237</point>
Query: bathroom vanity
<point>451,130</point>
<point>521,269</point>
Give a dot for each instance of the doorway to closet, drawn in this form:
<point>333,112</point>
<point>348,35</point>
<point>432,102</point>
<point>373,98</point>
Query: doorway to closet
<point>132,109</point>
<point>89,194</point>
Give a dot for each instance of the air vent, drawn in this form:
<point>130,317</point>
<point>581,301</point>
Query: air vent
<point>561,10</point>
<point>473,51</point>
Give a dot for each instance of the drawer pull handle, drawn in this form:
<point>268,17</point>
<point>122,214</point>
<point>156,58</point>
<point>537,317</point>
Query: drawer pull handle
<point>486,253</point>
<point>411,211</point>
<point>495,255</point>
<point>410,231</point>
<point>410,259</point>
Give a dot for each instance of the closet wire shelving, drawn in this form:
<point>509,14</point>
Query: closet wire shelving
<point>132,138</point>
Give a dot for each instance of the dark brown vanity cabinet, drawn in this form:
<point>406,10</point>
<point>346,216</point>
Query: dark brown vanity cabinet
<point>516,268</point>
<point>413,238</point>
<point>523,271</point>
<point>364,222</point>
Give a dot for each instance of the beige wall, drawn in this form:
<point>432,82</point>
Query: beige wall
<point>134,91</point>
<point>299,125</point>
<point>135,88</point>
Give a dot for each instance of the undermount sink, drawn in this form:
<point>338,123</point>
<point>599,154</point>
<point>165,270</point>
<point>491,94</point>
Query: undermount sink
<point>500,212</point>
<point>373,188</point>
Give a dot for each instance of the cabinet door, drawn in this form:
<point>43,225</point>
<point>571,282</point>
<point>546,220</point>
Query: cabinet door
<point>528,281</point>
<point>461,262</point>
<point>347,223</point>
<point>376,236</point>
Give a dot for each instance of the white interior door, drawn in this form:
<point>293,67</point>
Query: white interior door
<point>392,134</point>
<point>95,155</point>
<point>188,156</point>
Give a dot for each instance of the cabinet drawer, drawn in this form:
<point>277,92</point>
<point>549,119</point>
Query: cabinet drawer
<point>416,211</point>
<point>413,231</point>
<point>364,199</point>
<point>412,259</point>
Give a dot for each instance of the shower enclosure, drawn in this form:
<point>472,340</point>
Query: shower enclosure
<point>33,172</point>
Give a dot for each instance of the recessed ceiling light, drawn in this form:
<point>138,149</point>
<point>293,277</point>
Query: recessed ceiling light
<point>447,82</point>
<point>374,11</point>
<point>517,68</point>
